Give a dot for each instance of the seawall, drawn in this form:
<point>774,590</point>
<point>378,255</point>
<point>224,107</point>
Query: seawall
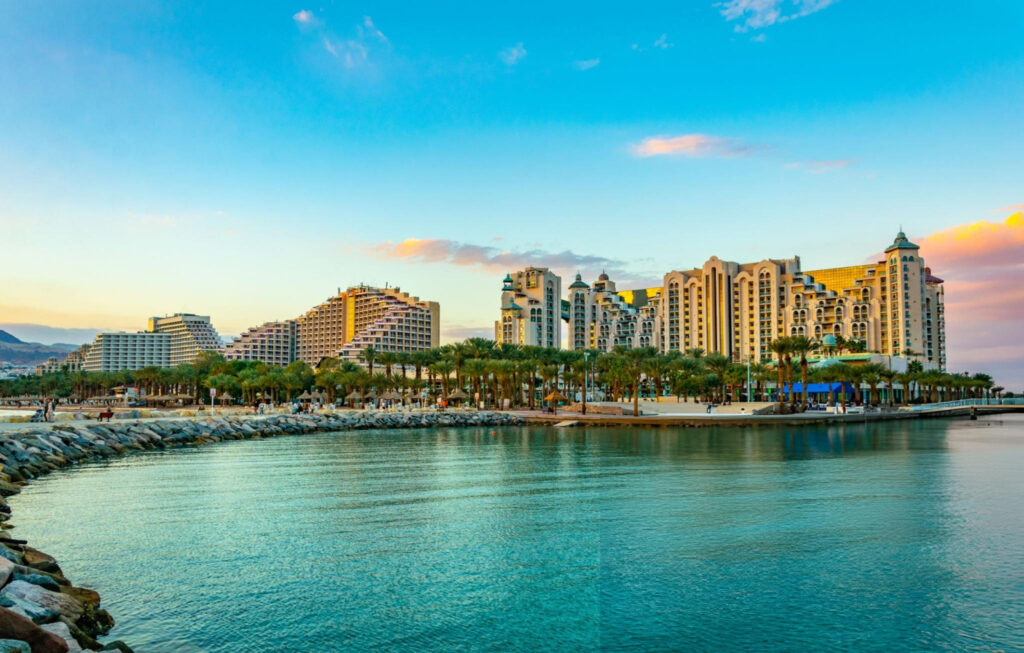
<point>698,420</point>
<point>40,610</point>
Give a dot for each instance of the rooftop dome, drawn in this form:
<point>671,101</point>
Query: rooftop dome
<point>579,283</point>
<point>901,242</point>
<point>603,277</point>
<point>507,282</point>
<point>829,340</point>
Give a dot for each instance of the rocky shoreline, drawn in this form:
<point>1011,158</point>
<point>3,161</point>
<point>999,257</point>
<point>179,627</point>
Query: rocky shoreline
<point>40,610</point>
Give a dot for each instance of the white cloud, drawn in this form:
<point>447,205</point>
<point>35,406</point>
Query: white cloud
<point>351,53</point>
<point>756,14</point>
<point>662,42</point>
<point>586,64</point>
<point>372,30</point>
<point>512,55</point>
<point>304,17</point>
<point>368,44</point>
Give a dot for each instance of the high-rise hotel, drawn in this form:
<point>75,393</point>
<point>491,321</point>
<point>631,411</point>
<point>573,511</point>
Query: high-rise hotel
<point>894,305</point>
<point>531,307</point>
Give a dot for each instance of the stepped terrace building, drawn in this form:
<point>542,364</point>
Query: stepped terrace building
<point>168,342</point>
<point>531,306</point>
<point>363,316</point>
<point>190,335</point>
<point>273,343</point>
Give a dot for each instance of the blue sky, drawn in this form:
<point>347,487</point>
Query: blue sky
<point>246,161</point>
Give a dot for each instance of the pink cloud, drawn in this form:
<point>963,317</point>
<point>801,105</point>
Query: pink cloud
<point>495,260</point>
<point>983,265</point>
<point>981,244</point>
<point>691,145</point>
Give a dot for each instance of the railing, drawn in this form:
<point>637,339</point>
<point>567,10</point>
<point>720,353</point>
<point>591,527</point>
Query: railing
<point>960,403</point>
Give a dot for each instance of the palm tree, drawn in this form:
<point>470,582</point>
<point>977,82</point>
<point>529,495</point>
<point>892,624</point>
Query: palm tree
<point>686,369</point>
<point>717,364</point>
<point>871,373</point>
<point>476,369</point>
<point>760,373</point>
<point>369,356</point>
<point>387,359</point>
<point>801,345</point>
<point>780,347</point>
<point>735,376</point>
<point>830,375</point>
<point>633,366</point>
<point>443,370</point>
<point>888,376</point>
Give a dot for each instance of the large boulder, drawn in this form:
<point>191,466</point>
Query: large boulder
<point>16,627</point>
<point>60,629</point>
<point>38,560</point>
<point>42,580</point>
<point>6,569</point>
<point>68,606</point>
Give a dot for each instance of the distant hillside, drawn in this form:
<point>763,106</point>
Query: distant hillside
<point>7,338</point>
<point>15,351</point>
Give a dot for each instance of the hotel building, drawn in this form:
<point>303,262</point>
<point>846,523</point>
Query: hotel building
<point>601,318</point>
<point>272,343</point>
<point>363,316</point>
<point>190,335</point>
<point>531,306</point>
<point>894,306</point>
<point>113,352</point>
<point>168,342</point>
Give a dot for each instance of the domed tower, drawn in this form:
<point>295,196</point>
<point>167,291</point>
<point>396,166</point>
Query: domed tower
<point>903,299</point>
<point>531,309</point>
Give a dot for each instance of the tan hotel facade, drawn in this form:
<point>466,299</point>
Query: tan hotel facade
<point>894,305</point>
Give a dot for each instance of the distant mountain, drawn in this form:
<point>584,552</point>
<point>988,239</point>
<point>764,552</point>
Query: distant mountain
<point>7,338</point>
<point>13,350</point>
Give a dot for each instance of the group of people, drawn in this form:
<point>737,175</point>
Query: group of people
<point>47,413</point>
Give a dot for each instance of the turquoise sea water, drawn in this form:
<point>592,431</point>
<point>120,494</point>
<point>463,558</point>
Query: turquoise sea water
<point>901,536</point>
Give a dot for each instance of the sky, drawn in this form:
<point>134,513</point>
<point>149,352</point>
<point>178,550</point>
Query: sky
<point>245,162</point>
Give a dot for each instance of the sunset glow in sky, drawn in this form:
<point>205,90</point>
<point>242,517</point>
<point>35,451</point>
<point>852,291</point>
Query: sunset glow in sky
<point>245,161</point>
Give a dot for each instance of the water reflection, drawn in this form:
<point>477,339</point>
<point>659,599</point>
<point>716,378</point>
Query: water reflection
<point>902,536</point>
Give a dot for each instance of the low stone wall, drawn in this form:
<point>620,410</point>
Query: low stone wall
<point>40,610</point>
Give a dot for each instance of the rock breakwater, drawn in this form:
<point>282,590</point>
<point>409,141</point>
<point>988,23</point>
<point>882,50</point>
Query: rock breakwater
<point>40,610</point>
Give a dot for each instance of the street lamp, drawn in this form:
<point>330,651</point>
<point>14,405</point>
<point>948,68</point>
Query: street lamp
<point>748,379</point>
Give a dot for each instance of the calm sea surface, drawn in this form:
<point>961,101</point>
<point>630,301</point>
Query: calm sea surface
<point>903,536</point>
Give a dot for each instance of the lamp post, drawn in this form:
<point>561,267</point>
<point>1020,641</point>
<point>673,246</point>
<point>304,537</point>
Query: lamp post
<point>586,371</point>
<point>748,379</point>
